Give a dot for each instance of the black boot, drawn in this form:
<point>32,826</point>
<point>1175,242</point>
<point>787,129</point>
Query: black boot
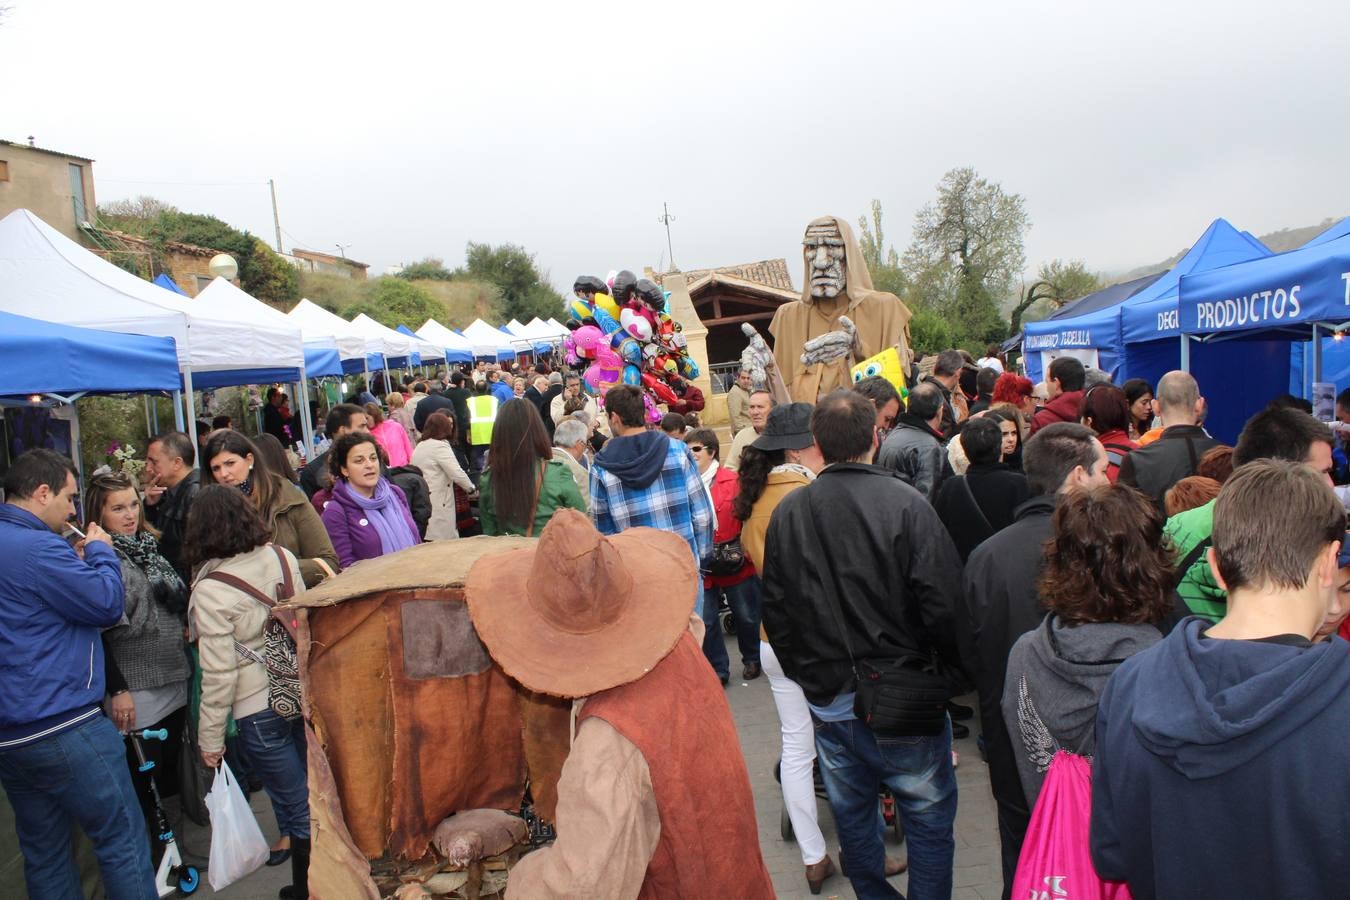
<point>298,889</point>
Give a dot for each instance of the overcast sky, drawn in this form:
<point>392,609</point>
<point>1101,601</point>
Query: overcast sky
<point>405,129</point>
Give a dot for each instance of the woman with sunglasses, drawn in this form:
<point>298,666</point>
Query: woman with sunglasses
<point>146,659</point>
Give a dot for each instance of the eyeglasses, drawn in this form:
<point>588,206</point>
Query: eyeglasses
<point>696,448</point>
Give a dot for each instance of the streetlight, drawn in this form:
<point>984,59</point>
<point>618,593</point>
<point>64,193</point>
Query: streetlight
<point>222,265</point>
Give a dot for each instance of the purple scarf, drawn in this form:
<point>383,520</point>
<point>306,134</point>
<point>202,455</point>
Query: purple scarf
<point>384,512</point>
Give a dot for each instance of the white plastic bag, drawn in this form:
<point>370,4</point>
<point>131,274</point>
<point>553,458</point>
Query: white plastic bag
<point>237,844</point>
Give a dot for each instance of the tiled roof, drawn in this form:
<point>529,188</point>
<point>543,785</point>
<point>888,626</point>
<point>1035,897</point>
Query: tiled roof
<point>27,146</point>
<point>769,272</point>
<point>136,241</point>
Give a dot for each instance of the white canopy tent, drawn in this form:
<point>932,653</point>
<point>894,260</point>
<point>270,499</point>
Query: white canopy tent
<point>559,328</point>
<point>490,342</point>
<point>45,275</point>
<point>317,322</point>
<point>514,328</point>
<point>539,330</point>
<point>438,334</point>
<point>227,301</point>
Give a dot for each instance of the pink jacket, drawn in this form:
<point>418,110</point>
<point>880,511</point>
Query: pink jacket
<point>393,437</point>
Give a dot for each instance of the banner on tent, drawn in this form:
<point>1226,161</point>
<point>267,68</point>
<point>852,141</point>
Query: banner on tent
<point>1059,340</point>
<point>1088,357</point>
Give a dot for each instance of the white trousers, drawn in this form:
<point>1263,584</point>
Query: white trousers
<point>799,752</point>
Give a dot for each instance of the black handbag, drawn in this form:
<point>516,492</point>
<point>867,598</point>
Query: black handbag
<point>194,778</point>
<point>895,696</point>
<point>727,558</point>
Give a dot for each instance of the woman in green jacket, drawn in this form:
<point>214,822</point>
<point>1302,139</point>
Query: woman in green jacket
<point>523,486</point>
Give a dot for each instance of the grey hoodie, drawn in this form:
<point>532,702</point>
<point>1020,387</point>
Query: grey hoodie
<point>1056,674</point>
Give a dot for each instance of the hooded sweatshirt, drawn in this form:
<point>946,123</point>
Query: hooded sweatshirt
<point>1055,675</point>
<point>1221,768</point>
<point>635,459</point>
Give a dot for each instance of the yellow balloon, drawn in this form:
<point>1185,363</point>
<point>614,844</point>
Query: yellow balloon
<point>606,302</point>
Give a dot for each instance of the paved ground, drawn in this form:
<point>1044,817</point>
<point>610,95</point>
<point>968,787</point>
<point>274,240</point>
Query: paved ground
<point>977,860</point>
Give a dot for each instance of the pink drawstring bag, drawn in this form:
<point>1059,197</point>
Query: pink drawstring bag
<point>1056,862</point>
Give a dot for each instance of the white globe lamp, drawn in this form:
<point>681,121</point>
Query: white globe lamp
<point>222,265</point>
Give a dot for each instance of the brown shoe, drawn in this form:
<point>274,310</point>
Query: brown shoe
<point>816,873</point>
<point>751,671</point>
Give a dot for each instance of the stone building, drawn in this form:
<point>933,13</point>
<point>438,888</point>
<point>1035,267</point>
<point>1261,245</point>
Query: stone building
<point>326,263</point>
<point>56,187</point>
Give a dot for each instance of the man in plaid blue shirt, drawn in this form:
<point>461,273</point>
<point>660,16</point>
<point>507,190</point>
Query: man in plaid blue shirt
<point>643,477</point>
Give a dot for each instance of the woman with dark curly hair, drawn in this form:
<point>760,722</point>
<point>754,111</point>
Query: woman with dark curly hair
<point>1139,394</point>
<point>368,515</point>
<point>1107,582</point>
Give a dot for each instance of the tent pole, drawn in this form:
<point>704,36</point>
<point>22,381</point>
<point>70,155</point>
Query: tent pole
<point>306,424</point>
<point>1185,353</point>
<point>178,411</point>
<point>1317,352</point>
<point>149,429</point>
<point>190,413</point>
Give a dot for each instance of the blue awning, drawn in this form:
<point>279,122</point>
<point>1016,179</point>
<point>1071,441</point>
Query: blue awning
<point>39,357</point>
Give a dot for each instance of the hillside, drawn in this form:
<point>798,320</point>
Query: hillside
<point>1278,241</point>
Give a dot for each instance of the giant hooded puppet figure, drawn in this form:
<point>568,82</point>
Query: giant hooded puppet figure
<point>813,349</point>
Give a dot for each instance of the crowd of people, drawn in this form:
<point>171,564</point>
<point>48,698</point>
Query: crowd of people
<point>1112,582</point>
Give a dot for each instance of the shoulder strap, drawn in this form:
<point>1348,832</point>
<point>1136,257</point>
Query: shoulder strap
<point>538,488</point>
<point>970,495</point>
<point>1194,555</point>
<point>287,585</point>
<point>240,584</point>
<point>1190,451</point>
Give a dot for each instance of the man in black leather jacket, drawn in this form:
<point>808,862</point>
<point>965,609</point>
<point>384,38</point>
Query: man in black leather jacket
<point>172,485</point>
<point>858,566</point>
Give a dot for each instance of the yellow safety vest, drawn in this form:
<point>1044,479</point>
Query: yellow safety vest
<point>482,413</point>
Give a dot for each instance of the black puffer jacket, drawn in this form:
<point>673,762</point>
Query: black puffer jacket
<point>170,515</point>
<point>409,480</point>
<point>897,570</point>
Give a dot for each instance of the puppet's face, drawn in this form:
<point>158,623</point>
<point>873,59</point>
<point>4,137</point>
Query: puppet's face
<point>823,248</point>
<point>886,364</point>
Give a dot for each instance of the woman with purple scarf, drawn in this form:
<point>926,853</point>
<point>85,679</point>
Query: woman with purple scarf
<point>368,516</point>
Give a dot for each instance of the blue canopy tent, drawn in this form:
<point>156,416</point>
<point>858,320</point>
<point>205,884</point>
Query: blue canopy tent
<point>1097,301</point>
<point>39,357</point>
<point>1339,230</point>
<point>1301,295</point>
<point>164,281</point>
<point>451,354</point>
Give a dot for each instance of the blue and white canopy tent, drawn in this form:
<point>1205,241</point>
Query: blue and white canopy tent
<point>489,342</point>
<point>356,352</point>
<point>458,348</point>
<point>1081,311</point>
<point>65,363</point>
<point>45,275</point>
<point>1302,295</point>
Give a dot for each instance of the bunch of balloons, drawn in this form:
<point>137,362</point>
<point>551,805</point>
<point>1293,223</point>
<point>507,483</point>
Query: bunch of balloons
<point>623,326</point>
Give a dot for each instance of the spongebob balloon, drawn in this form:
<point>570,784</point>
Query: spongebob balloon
<point>888,365</point>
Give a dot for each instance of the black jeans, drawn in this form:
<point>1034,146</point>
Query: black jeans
<point>1009,798</point>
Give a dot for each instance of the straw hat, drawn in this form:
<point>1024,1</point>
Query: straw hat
<point>579,613</point>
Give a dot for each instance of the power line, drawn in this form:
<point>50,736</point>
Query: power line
<point>181,183</point>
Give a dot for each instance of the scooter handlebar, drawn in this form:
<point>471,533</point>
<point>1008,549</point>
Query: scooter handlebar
<point>160,735</point>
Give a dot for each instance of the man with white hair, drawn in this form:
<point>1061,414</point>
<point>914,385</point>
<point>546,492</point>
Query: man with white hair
<point>571,447</point>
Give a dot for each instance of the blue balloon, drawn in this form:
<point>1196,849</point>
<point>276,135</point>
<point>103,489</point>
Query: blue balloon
<point>608,324</point>
<point>629,350</point>
<point>631,375</point>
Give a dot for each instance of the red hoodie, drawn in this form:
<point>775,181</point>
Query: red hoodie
<point>1063,408</point>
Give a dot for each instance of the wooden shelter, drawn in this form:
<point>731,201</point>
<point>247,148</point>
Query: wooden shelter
<point>728,296</point>
<point>411,723</point>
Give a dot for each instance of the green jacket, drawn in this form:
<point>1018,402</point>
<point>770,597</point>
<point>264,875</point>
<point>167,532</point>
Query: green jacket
<point>558,490</point>
<point>1198,588</point>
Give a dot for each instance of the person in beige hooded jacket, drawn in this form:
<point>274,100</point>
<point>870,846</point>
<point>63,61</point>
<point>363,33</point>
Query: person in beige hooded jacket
<point>226,536</point>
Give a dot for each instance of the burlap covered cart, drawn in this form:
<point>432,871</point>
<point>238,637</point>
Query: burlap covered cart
<point>420,748</point>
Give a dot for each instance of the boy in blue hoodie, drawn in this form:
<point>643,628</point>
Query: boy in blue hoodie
<point>61,759</point>
<point>1221,751</point>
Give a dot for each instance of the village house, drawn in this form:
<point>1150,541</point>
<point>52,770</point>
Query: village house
<point>56,187</point>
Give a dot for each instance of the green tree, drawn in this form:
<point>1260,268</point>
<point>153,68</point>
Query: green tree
<point>429,269</point>
<point>966,252</point>
<point>525,292</point>
<point>1056,284</point>
<point>395,302</point>
<point>270,278</point>
<point>883,266</point>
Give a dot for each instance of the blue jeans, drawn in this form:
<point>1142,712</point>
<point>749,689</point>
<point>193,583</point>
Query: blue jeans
<point>744,599</point>
<point>79,774</point>
<point>854,763</point>
<point>276,753</point>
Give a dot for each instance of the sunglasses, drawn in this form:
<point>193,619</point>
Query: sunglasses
<point>697,448</point>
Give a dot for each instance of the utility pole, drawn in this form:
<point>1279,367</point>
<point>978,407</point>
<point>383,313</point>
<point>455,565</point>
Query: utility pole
<point>276,219</point>
<point>665,219</point>
<point>342,249</point>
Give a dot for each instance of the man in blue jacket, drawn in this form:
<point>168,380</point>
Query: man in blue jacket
<point>61,760</point>
<point>1221,751</point>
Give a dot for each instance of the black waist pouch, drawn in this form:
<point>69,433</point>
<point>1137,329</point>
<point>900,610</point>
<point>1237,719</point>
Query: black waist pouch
<point>901,698</point>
